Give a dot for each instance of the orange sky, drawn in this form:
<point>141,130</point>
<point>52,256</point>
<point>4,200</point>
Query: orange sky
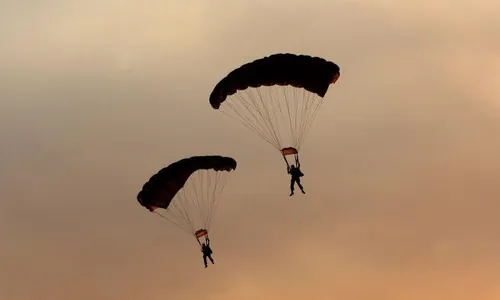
<point>401,163</point>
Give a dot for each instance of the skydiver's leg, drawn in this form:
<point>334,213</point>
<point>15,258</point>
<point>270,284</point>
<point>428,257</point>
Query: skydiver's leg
<point>205,260</point>
<point>300,186</point>
<point>211,259</point>
<point>292,183</point>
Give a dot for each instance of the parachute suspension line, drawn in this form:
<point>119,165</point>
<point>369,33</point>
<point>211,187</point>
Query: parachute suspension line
<point>302,108</point>
<point>292,128</point>
<point>199,199</point>
<point>178,210</point>
<point>196,184</point>
<point>251,106</point>
<point>206,200</point>
<point>264,126</point>
<point>267,106</point>
<point>296,109</point>
<point>275,99</point>
<point>181,205</point>
<point>286,161</point>
<point>232,106</point>
<point>252,115</point>
<point>186,202</point>
<point>304,105</point>
<point>298,103</point>
<point>220,180</point>
<point>184,228</point>
<point>275,112</point>
<point>292,113</point>
<point>192,195</point>
<point>310,105</point>
<point>273,133</point>
<point>312,116</point>
<point>294,117</point>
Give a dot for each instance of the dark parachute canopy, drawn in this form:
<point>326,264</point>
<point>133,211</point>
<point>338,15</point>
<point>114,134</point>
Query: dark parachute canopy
<point>314,74</point>
<point>163,186</point>
<point>188,190</point>
<point>277,96</point>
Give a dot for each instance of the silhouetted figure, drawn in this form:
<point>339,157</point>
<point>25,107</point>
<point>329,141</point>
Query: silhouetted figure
<point>207,252</point>
<point>295,173</point>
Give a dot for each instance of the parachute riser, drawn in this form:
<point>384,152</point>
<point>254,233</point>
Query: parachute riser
<point>286,161</point>
<point>296,159</point>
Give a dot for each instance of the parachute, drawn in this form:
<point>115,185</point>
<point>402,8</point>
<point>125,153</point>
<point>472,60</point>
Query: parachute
<point>277,97</point>
<point>187,191</point>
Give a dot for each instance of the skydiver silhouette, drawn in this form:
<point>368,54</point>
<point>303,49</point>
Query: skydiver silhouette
<point>207,252</point>
<point>295,173</point>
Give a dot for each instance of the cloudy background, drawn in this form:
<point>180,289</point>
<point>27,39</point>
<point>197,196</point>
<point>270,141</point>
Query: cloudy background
<point>401,163</point>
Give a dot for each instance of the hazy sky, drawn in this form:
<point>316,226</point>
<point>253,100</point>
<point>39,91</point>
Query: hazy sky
<point>401,164</point>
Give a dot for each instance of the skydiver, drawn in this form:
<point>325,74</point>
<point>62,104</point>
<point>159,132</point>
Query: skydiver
<point>295,173</point>
<point>207,252</point>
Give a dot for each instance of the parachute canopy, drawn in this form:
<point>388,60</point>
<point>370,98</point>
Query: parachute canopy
<point>163,186</point>
<point>314,74</point>
<point>188,190</point>
<point>277,96</point>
